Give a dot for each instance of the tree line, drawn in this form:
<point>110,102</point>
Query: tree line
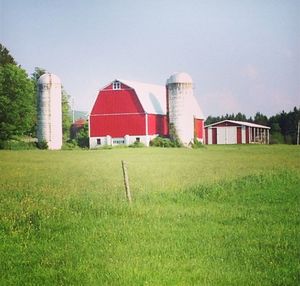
<point>284,125</point>
<point>18,101</point>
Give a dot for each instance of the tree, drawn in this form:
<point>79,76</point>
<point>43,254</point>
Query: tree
<point>82,137</point>
<point>261,119</point>
<point>5,57</point>
<point>66,114</point>
<point>17,109</point>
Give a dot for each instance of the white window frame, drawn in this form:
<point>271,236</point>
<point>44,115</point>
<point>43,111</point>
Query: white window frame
<point>116,85</point>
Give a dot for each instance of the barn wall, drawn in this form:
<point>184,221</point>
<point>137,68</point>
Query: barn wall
<point>126,140</point>
<point>199,128</point>
<point>206,136</point>
<point>117,125</point>
<point>157,124</point>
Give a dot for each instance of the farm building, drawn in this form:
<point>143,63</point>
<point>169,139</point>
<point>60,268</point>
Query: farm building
<point>76,127</point>
<point>236,132</point>
<point>125,112</point>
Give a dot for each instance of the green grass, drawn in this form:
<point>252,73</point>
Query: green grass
<point>220,215</point>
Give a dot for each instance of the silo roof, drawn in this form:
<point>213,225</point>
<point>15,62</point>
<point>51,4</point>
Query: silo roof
<point>48,78</point>
<point>180,77</point>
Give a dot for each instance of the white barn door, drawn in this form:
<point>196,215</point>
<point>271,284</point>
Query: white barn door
<point>221,135</point>
<point>226,135</point>
<point>231,135</point>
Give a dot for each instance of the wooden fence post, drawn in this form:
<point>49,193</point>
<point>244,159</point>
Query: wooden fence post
<point>126,181</point>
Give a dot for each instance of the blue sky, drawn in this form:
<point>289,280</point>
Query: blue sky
<point>242,55</point>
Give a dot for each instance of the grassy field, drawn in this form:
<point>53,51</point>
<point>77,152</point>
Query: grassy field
<point>220,215</point>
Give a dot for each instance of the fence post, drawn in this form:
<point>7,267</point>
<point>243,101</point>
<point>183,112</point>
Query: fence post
<point>126,181</point>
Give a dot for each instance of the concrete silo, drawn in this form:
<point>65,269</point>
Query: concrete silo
<point>49,125</point>
<point>183,108</point>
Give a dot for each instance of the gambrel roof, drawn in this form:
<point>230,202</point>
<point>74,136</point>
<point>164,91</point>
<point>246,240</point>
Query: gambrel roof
<point>151,96</point>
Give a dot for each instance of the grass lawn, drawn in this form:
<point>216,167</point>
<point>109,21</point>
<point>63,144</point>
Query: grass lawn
<point>220,215</point>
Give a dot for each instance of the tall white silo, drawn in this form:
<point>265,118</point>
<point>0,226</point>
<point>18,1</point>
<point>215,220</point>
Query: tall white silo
<point>49,125</point>
<point>181,103</point>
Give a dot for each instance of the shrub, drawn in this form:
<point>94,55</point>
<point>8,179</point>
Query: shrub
<point>43,145</point>
<point>70,145</point>
<point>137,145</point>
<point>16,145</point>
<point>197,144</point>
<point>276,138</point>
<point>163,142</point>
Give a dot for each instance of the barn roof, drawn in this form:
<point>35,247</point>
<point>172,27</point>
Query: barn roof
<point>249,124</point>
<point>151,96</point>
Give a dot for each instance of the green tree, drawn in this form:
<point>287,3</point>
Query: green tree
<point>5,57</point>
<point>261,119</point>
<point>17,109</point>
<point>82,137</point>
<point>66,114</point>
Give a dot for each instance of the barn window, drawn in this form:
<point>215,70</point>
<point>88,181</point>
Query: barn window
<point>98,141</point>
<point>116,85</point>
<point>138,139</point>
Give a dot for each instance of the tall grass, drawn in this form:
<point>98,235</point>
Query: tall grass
<point>221,215</point>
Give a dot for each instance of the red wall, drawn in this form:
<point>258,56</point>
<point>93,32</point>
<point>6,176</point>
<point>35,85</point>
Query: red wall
<point>117,125</point>
<point>247,134</point>
<point>117,101</point>
<point>157,124</point>
<point>239,135</point>
<point>214,136</point>
<point>198,127</point>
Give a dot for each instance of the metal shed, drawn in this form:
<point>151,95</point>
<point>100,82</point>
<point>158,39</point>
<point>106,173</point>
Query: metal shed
<point>236,132</point>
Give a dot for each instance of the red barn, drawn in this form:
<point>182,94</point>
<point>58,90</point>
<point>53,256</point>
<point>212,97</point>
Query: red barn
<point>236,132</point>
<point>126,111</point>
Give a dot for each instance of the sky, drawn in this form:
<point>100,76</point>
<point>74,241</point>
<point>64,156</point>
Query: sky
<point>243,56</point>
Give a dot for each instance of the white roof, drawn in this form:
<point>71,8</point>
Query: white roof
<point>151,96</point>
<point>180,77</point>
<point>249,124</point>
<point>48,78</point>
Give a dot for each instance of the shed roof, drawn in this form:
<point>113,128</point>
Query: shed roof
<point>151,96</point>
<point>249,124</point>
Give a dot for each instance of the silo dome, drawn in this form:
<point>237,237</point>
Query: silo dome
<point>48,78</point>
<point>180,77</point>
